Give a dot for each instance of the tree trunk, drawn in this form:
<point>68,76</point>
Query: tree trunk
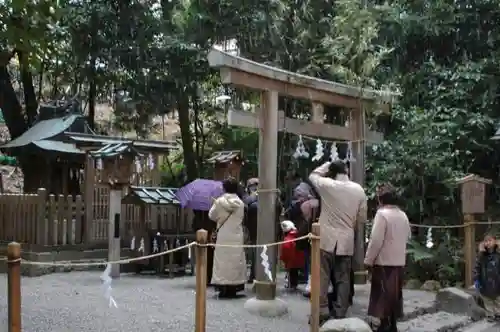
<point>10,105</point>
<point>30,100</point>
<point>91,101</point>
<point>92,71</point>
<point>17,125</point>
<point>187,138</point>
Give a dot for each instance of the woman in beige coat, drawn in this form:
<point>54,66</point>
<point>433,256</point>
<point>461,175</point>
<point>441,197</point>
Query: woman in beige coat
<point>229,269</point>
<point>386,257</point>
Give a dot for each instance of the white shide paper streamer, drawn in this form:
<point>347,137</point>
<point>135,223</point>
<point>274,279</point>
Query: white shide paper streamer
<point>429,243</point>
<point>106,285</point>
<point>141,246</point>
<point>319,151</point>
<point>265,263</point>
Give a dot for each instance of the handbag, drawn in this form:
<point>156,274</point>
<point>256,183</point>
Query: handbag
<point>213,237</point>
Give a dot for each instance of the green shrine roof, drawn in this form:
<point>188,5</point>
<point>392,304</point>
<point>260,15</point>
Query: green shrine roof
<point>91,141</point>
<point>41,130</point>
<point>151,196</point>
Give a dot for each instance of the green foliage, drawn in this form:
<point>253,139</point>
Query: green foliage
<point>149,59</point>
<point>444,262</point>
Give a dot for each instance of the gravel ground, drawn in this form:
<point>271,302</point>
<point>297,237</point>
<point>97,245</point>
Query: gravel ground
<point>75,302</point>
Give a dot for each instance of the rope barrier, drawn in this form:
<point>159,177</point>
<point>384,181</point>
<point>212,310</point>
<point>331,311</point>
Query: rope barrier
<point>272,244</point>
<point>121,261</point>
<point>14,260</point>
<point>450,226</point>
<point>214,245</point>
<point>130,260</point>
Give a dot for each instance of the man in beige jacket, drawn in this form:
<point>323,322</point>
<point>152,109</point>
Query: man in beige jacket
<point>343,205</point>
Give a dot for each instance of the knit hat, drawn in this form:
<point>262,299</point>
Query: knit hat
<point>287,226</point>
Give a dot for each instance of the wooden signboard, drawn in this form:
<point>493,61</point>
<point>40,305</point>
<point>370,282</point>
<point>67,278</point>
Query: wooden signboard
<point>473,193</point>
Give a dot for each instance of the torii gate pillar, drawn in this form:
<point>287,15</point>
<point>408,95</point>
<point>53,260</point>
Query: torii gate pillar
<point>268,159</point>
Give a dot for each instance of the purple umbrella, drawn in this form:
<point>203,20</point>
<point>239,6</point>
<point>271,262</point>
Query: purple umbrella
<point>199,194</point>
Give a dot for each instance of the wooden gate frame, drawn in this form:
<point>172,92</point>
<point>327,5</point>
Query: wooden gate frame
<point>272,82</point>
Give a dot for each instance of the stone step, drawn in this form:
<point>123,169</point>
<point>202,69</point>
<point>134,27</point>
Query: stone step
<point>436,322</point>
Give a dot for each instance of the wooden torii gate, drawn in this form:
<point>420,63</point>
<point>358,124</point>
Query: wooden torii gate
<point>273,82</point>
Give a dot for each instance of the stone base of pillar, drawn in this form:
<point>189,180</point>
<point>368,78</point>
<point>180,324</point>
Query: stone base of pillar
<point>265,303</point>
<point>266,308</point>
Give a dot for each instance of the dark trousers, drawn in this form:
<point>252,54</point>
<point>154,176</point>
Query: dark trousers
<point>252,256</point>
<point>388,324</point>
<point>335,269</point>
<point>333,295</point>
<point>307,264</point>
<point>210,264</point>
<point>293,278</point>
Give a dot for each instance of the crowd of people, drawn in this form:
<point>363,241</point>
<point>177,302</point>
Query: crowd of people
<point>329,197</point>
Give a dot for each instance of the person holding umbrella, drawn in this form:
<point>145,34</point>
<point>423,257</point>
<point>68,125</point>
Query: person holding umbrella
<point>229,269</point>
<point>198,195</point>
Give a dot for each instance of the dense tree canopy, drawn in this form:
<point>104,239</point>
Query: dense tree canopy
<point>148,58</point>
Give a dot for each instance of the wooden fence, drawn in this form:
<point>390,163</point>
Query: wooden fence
<point>59,220</point>
<point>41,219</point>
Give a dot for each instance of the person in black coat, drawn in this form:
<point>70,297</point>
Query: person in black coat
<point>250,221</point>
<point>202,221</point>
<point>487,275</point>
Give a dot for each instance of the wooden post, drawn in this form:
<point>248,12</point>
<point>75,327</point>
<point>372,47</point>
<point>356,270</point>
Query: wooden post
<point>357,174</point>
<point>268,159</point>
<point>64,178</point>
<point>114,245</point>
<point>472,195</point>
<point>42,224</point>
<point>469,248</point>
<point>315,278</point>
<point>201,280</point>
<point>88,200</point>
<point>14,286</point>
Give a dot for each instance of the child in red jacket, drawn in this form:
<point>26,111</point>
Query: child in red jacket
<point>293,259</point>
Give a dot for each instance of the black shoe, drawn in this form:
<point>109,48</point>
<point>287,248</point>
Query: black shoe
<point>227,295</point>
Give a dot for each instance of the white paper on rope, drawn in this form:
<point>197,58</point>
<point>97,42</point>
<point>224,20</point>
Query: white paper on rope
<point>106,285</point>
<point>265,263</point>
